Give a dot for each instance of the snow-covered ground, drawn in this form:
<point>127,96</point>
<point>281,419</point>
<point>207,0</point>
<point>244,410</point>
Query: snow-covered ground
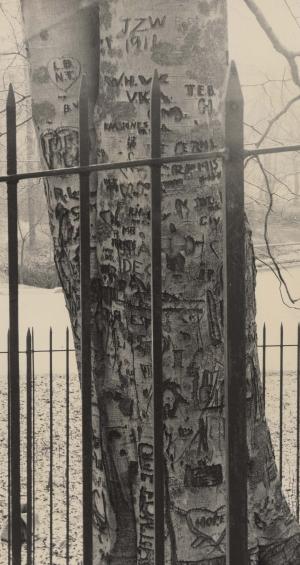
<point>272,310</point>
<point>40,309</point>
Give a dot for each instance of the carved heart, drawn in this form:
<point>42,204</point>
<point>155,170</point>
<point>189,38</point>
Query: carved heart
<point>207,526</point>
<point>64,71</point>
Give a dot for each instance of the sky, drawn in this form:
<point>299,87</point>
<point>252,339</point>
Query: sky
<point>248,45</point>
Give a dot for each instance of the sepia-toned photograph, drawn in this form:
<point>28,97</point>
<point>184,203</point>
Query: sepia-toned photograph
<point>150,282</point>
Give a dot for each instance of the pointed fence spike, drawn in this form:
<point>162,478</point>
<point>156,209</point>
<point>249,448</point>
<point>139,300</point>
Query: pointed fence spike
<point>155,82</point>
<point>28,339</point>
<point>11,149</point>
<point>67,340</point>
<point>83,89</point>
<point>84,142</point>
<point>233,89</point>
<point>11,100</point>
<point>155,89</point>
<point>155,108</point>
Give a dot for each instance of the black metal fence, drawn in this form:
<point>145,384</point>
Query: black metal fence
<point>233,156</point>
<point>283,382</point>
<point>273,374</point>
<point>29,384</point>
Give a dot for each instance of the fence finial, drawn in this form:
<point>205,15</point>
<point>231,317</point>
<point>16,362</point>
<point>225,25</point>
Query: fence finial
<point>155,116</point>
<point>233,90</point>
<point>83,88</point>
<point>84,143</point>
<point>28,338</point>
<point>11,100</point>
<point>155,90</point>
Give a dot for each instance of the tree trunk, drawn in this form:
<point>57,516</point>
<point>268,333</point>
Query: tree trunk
<point>187,43</point>
<point>30,189</point>
<point>21,266</point>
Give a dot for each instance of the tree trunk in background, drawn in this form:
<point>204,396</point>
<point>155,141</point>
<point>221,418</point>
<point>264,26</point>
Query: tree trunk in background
<point>30,151</point>
<point>187,43</point>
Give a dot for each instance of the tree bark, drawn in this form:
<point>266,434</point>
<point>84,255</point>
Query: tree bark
<point>30,138</point>
<point>187,43</point>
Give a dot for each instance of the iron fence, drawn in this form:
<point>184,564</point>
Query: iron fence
<point>233,156</point>
<point>29,532</point>
<point>282,347</point>
<point>281,378</point>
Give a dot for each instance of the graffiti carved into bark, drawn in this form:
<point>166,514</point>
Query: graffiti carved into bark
<point>187,44</point>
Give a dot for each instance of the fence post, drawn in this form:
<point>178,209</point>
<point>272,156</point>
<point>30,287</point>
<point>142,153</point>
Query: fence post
<point>264,366</point>
<point>234,326</point>
<point>281,403</point>
<point>86,388</point>
<point>33,443</point>
<point>298,424</point>
<point>51,443</point>
<point>67,447</point>
<point>14,327</point>
<point>8,459</point>
<point>156,305</point>
<point>29,445</point>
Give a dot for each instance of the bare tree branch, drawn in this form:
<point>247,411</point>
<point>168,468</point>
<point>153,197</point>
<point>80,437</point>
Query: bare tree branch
<point>292,13</point>
<point>277,117</point>
<point>266,237</point>
<point>9,53</point>
<point>289,55</point>
<point>2,133</point>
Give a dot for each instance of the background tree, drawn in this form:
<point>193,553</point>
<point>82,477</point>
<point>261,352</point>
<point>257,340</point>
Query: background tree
<point>14,67</point>
<point>187,43</point>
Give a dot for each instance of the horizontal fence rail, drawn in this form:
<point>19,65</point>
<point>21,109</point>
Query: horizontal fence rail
<point>154,161</point>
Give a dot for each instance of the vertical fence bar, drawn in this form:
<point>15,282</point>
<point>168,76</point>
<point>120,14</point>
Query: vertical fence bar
<point>281,403</point>
<point>86,388</point>
<point>14,326</point>
<point>156,303</point>
<point>8,459</point>
<point>33,445</point>
<point>234,325</point>
<point>298,424</point>
<point>29,446</point>
<point>51,442</point>
<point>264,364</point>
<point>67,448</point>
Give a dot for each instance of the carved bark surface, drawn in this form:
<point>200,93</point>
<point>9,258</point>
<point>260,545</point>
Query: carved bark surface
<point>187,43</point>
